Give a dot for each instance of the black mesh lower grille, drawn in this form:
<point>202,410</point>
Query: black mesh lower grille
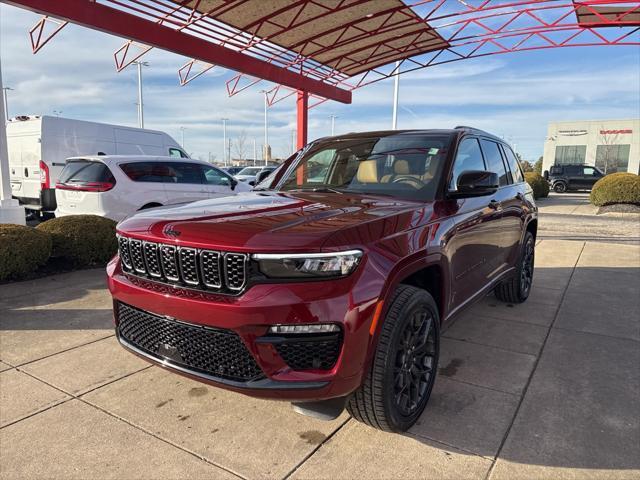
<point>217,352</point>
<point>310,354</point>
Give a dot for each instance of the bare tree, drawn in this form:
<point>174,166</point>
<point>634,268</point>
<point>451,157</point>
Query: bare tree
<point>240,145</point>
<point>606,160</point>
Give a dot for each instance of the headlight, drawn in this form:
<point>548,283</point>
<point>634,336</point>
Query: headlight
<point>308,265</point>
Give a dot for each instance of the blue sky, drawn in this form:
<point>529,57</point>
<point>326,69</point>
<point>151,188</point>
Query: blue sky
<point>513,95</point>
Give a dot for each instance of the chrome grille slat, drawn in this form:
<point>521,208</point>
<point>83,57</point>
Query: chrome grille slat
<point>188,258</point>
<point>199,269</point>
<point>210,268</point>
<point>235,270</point>
<point>137,257</point>
<point>169,263</point>
<point>150,250</point>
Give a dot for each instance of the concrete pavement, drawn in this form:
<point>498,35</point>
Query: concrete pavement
<point>547,389</point>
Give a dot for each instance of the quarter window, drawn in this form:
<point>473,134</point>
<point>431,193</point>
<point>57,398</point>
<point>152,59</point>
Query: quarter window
<point>514,165</point>
<point>494,161</point>
<point>469,157</point>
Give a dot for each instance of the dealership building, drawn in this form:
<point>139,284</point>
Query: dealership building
<point>611,145</point>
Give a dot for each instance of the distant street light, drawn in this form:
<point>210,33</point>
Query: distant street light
<point>266,127</point>
<point>140,103</point>
<point>182,130</point>
<point>333,124</point>
<point>6,101</point>
<point>224,141</point>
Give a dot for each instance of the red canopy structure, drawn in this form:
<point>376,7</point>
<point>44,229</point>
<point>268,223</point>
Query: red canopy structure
<point>325,49</point>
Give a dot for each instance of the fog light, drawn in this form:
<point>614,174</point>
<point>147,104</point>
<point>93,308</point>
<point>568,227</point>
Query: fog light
<point>316,328</point>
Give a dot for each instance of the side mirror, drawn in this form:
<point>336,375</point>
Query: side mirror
<point>476,183</point>
<point>261,176</point>
<point>545,175</point>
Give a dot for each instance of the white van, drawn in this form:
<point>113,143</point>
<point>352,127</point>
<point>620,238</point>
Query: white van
<point>39,145</point>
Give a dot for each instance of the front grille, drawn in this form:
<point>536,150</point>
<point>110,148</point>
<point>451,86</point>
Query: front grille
<point>307,353</point>
<point>216,352</point>
<point>186,267</point>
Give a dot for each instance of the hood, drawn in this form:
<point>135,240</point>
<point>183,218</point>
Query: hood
<point>273,221</point>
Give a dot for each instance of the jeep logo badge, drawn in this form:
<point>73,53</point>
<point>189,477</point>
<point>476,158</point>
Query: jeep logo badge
<point>169,351</point>
<point>169,231</point>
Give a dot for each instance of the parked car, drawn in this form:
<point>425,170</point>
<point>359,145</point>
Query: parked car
<point>117,186</point>
<point>250,174</point>
<point>38,146</point>
<point>331,290</point>
<point>563,178</point>
<point>232,170</point>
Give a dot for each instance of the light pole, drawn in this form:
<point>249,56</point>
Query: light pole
<point>224,141</point>
<point>333,124</point>
<point>182,131</point>
<point>396,92</point>
<point>140,104</point>
<point>266,127</point>
<point>6,101</point>
<point>255,152</point>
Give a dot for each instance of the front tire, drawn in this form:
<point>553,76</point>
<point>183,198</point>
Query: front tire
<point>517,288</point>
<point>560,187</point>
<point>398,386</point>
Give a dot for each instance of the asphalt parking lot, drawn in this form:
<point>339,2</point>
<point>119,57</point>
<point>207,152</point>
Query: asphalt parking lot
<point>547,389</point>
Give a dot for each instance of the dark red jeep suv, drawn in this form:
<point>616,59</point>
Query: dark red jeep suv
<point>328,285</point>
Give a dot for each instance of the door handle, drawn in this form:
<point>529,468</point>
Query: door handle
<point>494,205</point>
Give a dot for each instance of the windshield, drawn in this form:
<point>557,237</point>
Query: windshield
<point>399,165</point>
<point>249,171</point>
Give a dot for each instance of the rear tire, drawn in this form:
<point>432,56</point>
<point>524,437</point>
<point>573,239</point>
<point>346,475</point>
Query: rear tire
<point>517,288</point>
<point>399,383</point>
<point>560,187</point>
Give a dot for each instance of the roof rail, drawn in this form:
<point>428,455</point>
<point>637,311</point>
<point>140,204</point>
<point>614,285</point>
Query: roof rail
<point>474,130</point>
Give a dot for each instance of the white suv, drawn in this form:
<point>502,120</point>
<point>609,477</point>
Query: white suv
<point>116,186</point>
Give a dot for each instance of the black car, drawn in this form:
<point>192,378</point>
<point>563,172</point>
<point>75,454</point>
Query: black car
<point>572,177</point>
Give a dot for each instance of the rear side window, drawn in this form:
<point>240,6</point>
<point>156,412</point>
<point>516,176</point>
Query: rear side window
<point>469,157</point>
<point>494,160</point>
<point>83,171</point>
<point>154,172</point>
<point>514,165</point>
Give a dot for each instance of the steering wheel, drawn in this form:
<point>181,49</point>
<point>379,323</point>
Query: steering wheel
<point>414,182</point>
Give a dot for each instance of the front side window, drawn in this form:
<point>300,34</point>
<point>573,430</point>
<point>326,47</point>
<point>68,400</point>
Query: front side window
<point>494,161</point>
<point>407,166</point>
<point>176,153</point>
<point>213,176</point>
<point>469,157</point>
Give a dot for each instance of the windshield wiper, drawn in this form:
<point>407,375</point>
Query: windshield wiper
<point>318,190</point>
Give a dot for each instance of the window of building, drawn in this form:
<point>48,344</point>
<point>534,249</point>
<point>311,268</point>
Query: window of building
<point>494,161</point>
<point>612,158</point>
<point>570,154</point>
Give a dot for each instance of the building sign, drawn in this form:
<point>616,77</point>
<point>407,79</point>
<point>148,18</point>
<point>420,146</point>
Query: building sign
<point>616,132</point>
<point>571,133</point>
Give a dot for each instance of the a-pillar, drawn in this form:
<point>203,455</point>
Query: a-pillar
<point>303,107</point>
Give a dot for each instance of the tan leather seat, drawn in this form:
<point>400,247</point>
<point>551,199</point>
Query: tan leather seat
<point>400,167</point>
<point>368,171</point>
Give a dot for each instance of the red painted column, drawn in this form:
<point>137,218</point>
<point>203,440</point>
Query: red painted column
<point>303,108</point>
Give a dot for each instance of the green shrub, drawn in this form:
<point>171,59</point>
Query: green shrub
<point>82,239</point>
<point>22,250</point>
<point>616,188</point>
<point>538,183</point>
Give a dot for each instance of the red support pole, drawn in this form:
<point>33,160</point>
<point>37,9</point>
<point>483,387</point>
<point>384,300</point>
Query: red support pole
<point>303,110</point>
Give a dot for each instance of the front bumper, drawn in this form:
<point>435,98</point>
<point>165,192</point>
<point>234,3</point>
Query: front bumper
<point>250,315</point>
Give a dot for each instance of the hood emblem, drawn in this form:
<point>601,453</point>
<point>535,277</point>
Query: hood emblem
<point>169,351</point>
<point>170,232</point>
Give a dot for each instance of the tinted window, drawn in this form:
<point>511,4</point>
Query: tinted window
<point>514,165</point>
<point>213,176</point>
<point>81,171</point>
<point>494,161</point>
<point>469,157</point>
<point>157,172</point>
